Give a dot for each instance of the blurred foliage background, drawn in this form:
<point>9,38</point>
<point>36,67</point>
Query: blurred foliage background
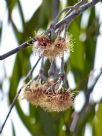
<point>80,63</point>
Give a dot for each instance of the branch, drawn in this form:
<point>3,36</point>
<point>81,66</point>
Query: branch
<point>55,8</point>
<point>14,100</point>
<point>22,46</point>
<point>31,71</point>
<point>77,5</point>
<point>70,17</point>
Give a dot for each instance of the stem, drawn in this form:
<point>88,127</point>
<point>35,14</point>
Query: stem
<point>22,46</point>
<point>15,98</point>
<point>41,72</point>
<point>52,69</point>
<point>59,14</point>
<point>62,72</point>
<point>31,71</point>
<point>68,19</point>
<point>12,105</point>
<point>76,6</point>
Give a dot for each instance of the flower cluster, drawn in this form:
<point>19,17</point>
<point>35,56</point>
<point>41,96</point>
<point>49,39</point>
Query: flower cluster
<point>50,96</point>
<point>51,49</point>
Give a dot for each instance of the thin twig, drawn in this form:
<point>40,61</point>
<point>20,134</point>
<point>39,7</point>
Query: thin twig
<point>68,10</point>
<point>12,105</point>
<point>22,46</point>
<point>62,72</point>
<point>76,6</point>
<point>68,19</point>
<point>15,98</point>
<point>55,8</point>
<point>59,14</point>
<point>41,75</point>
<point>31,71</point>
<point>52,69</point>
